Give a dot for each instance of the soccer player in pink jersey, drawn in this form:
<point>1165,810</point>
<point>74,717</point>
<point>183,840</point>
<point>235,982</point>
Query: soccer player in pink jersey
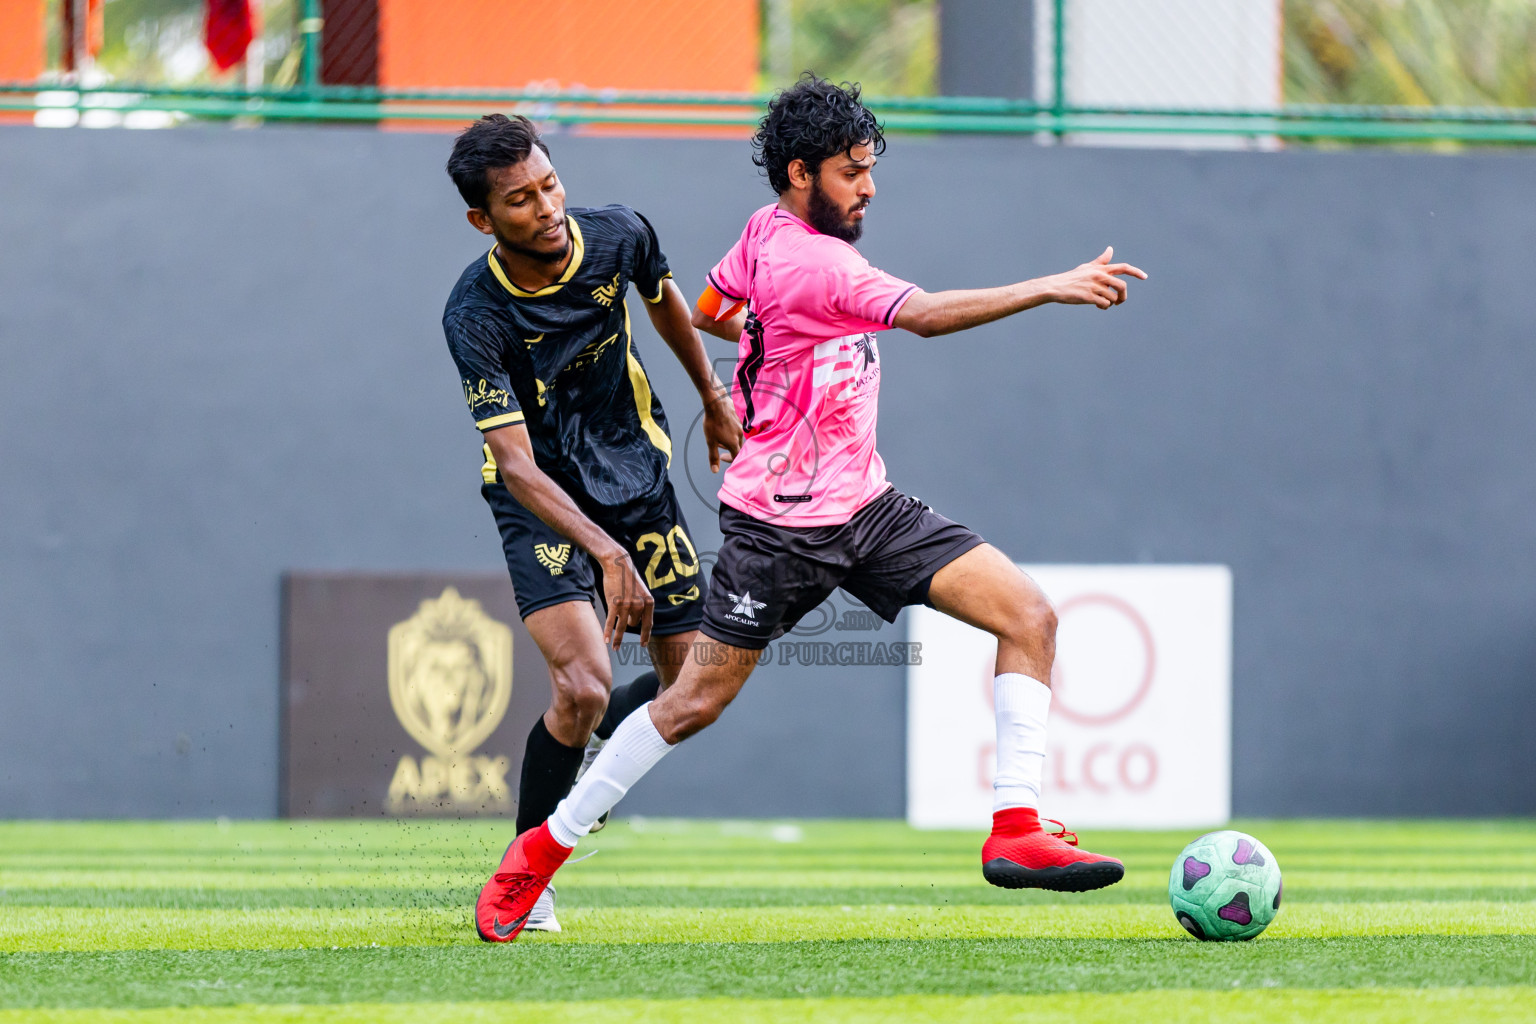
<point>806,507</point>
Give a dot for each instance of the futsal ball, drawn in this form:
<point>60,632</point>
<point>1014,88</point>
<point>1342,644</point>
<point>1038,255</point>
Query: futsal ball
<point>1225,886</point>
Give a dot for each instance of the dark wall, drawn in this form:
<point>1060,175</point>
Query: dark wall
<point>220,358</point>
<point>987,48</point>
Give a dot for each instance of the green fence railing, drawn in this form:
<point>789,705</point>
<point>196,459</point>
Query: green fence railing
<point>313,102</point>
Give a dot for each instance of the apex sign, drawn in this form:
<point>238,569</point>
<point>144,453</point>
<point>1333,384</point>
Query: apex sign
<point>450,681</point>
<point>399,695</point>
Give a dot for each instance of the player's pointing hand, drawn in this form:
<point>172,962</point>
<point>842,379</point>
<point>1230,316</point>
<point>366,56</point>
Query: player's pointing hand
<point>1096,283</point>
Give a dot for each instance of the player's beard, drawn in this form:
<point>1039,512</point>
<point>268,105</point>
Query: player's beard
<point>540,255</point>
<point>829,218</point>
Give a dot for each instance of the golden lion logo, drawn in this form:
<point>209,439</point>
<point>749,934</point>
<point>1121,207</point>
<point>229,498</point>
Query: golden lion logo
<point>553,557</point>
<point>450,680</point>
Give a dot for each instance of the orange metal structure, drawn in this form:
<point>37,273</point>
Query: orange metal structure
<point>704,45</point>
<point>22,42</point>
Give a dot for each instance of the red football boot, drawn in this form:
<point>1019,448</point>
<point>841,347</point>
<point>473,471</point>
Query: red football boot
<point>1019,854</point>
<point>525,870</point>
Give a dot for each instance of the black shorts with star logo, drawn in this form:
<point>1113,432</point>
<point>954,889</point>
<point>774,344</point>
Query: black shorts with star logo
<point>547,569</point>
<point>768,577</point>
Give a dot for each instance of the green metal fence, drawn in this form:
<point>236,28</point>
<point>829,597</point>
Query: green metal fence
<point>1064,109</point>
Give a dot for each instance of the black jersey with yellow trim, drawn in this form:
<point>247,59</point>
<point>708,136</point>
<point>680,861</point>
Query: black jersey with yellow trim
<point>562,360</point>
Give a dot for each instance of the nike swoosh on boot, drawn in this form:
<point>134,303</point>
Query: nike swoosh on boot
<point>509,929</point>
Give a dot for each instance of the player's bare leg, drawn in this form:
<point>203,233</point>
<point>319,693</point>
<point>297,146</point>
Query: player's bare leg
<point>570,637</point>
<point>708,682</point>
<point>986,590</point>
<point>667,656</point>
<point>710,679</point>
<point>571,640</point>
<point>670,653</point>
<point>706,685</point>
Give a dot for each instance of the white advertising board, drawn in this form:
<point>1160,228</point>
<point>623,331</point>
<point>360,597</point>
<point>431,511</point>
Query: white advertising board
<point>1140,732</point>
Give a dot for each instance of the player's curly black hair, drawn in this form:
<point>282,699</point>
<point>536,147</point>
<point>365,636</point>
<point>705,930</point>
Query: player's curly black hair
<point>495,140</point>
<point>812,120</point>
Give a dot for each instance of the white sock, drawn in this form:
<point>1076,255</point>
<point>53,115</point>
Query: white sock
<point>1022,706</point>
<point>633,750</point>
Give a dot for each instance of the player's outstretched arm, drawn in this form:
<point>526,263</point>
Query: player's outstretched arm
<point>629,600</point>
<point>675,324</point>
<point>1097,283</point>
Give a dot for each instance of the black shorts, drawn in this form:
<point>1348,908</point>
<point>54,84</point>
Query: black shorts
<point>768,576</point>
<point>547,569</point>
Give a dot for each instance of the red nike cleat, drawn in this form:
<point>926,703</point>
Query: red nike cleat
<point>523,874</point>
<point>1019,854</point>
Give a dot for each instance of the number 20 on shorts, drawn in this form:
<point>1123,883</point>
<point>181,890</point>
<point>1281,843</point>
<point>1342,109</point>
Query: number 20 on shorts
<point>676,544</point>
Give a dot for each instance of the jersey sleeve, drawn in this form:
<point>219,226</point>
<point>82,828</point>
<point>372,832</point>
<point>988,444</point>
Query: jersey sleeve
<point>732,277</point>
<point>856,289</point>
<point>650,268</point>
<point>476,348</point>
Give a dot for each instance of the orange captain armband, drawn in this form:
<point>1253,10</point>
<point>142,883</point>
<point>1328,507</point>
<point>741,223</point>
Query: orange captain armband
<point>714,305</point>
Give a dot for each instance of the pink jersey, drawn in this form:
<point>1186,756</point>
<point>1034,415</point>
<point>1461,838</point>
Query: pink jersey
<point>808,376</point>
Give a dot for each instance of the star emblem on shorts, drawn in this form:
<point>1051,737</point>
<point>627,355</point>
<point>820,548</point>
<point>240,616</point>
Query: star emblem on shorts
<point>745,605</point>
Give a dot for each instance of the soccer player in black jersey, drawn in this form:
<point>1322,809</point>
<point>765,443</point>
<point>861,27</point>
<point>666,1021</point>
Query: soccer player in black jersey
<point>576,447</point>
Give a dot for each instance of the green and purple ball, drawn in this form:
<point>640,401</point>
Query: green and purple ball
<point>1225,886</point>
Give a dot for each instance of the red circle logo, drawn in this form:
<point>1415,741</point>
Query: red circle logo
<point>1139,626</point>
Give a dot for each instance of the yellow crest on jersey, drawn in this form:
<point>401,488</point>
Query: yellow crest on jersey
<point>553,557</point>
<point>605,294</point>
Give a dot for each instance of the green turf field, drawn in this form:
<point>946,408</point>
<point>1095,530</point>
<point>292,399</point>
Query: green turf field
<point>845,921</point>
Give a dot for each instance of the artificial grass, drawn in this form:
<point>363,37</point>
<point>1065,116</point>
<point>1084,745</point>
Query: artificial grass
<point>856,921</point>
<point>49,929</point>
<point>865,968</point>
<point>1272,1006</point>
<point>676,896</point>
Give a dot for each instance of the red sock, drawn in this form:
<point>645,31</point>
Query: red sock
<point>543,855</point>
<point>1015,821</point>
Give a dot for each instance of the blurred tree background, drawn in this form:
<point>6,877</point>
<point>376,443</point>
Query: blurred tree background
<point>890,46</point>
<point>1472,53</point>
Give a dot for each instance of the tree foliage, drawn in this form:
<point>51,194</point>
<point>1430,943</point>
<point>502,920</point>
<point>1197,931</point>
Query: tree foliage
<point>1412,52</point>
